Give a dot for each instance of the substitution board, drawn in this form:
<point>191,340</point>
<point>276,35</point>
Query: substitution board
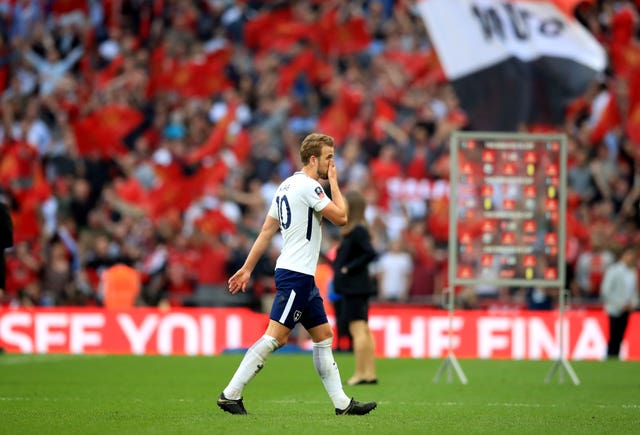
<point>507,209</point>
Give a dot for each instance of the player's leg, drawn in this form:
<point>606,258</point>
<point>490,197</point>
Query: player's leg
<point>615,336</point>
<point>255,357</point>
<point>280,325</point>
<point>357,310</point>
<point>314,319</point>
<point>327,368</point>
<point>363,352</point>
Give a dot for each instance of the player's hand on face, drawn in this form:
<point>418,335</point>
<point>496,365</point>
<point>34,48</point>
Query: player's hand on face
<point>332,173</point>
<point>238,282</point>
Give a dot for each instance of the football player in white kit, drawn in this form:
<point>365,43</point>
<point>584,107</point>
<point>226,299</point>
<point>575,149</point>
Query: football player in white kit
<point>296,210</point>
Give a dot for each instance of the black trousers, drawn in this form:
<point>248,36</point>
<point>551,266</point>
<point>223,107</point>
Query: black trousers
<point>3,270</point>
<point>6,240</point>
<point>617,328</point>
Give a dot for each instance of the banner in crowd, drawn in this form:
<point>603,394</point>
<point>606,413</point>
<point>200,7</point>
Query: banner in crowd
<point>512,62</point>
<point>399,331</point>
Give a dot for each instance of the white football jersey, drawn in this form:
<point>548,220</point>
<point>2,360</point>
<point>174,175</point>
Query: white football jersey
<point>297,205</point>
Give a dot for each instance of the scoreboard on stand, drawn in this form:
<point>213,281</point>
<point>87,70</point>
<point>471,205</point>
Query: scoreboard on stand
<point>507,211</point>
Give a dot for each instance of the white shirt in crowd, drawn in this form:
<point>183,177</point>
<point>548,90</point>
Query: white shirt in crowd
<point>619,288</point>
<point>394,269</point>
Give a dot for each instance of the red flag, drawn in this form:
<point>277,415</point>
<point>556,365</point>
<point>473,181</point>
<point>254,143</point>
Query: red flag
<point>102,132</point>
<point>158,60</point>
<point>306,63</point>
<point>40,190</point>
<point>4,76</point>
<point>623,25</point>
<point>61,7</point>
<point>278,30</point>
<point>633,125</point>
<point>215,222</point>
<point>625,59</point>
<point>198,77</point>
<point>285,34</point>
<point>212,176</point>
<point>175,193</point>
<point>25,225</point>
<point>257,28</point>
<point>216,139</point>
<point>343,38</point>
<point>162,71</point>
<point>203,77</point>
<point>336,119</point>
<point>19,161</point>
<point>25,221</point>
<point>608,119</point>
<point>8,166</point>
<point>105,76</point>
<point>633,85</point>
<point>421,67</point>
<point>130,190</point>
<point>240,144</point>
<point>174,190</point>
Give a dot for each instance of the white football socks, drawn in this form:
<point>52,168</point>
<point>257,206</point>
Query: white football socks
<point>329,373</point>
<point>250,366</point>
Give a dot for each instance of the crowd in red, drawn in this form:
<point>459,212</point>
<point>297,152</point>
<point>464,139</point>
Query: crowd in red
<point>153,133</point>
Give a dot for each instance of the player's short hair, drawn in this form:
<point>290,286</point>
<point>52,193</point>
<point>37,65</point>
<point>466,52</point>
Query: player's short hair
<point>312,146</point>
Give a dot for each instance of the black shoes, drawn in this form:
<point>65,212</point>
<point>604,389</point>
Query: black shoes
<point>231,406</point>
<point>357,408</point>
<point>363,382</point>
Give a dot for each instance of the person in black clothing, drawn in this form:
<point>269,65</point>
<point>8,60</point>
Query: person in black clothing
<point>6,241</point>
<point>353,282</point>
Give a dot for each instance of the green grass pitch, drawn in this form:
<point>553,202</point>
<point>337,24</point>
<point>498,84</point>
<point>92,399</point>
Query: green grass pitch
<point>66,394</point>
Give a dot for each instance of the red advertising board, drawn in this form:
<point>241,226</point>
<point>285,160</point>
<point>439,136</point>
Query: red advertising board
<point>399,331</point>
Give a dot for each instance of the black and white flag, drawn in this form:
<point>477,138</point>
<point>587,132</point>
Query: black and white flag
<point>512,63</point>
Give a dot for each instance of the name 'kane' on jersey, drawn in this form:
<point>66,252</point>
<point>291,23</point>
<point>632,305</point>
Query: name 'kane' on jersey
<point>297,205</point>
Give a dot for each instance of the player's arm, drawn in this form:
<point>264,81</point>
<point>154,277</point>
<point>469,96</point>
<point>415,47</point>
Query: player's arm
<point>336,210</point>
<point>240,279</point>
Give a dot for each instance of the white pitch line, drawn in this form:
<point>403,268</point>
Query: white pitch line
<point>39,399</point>
<point>39,359</point>
<point>291,401</point>
<point>522,405</point>
<point>461,404</point>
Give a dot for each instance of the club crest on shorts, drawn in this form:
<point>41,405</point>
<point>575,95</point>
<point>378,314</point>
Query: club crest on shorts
<point>297,315</point>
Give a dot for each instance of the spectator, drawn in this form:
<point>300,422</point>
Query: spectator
<point>53,66</point>
<point>6,241</point>
<point>580,176</point>
<point>23,270</point>
<point>620,296</point>
<point>393,271</point>
<point>57,277</point>
<point>353,282</point>
<point>342,337</point>
<point>591,266</point>
<point>426,262</point>
<point>539,298</point>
